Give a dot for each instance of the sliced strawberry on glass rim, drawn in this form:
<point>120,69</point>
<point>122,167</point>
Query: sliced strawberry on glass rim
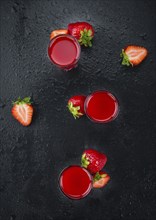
<point>58,32</point>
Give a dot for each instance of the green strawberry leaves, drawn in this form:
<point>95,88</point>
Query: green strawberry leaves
<point>125,60</point>
<point>74,110</point>
<point>84,161</point>
<point>98,176</point>
<point>26,100</point>
<point>86,37</point>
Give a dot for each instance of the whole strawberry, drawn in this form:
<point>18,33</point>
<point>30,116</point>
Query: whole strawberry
<point>93,160</point>
<point>83,31</point>
<point>76,105</point>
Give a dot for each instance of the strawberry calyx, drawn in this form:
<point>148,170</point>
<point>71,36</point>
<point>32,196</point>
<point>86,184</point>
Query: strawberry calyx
<point>125,60</point>
<point>99,176</point>
<point>84,161</point>
<point>74,110</point>
<point>86,37</point>
<point>20,101</point>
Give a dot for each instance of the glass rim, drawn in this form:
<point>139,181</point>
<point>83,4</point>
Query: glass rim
<point>78,49</point>
<point>88,189</point>
<point>101,121</point>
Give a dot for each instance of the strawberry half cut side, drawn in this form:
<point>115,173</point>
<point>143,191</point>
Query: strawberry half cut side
<point>133,55</point>
<point>100,179</point>
<point>22,111</point>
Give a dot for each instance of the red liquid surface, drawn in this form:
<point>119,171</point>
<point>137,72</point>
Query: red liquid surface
<point>64,51</point>
<point>75,182</point>
<point>101,106</point>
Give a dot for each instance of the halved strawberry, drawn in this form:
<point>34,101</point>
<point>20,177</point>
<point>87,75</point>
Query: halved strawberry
<point>58,32</point>
<point>100,179</point>
<point>76,105</point>
<point>133,55</point>
<point>22,111</point>
<point>83,31</point>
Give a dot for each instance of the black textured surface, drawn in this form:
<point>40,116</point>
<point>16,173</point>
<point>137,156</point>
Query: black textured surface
<point>32,158</point>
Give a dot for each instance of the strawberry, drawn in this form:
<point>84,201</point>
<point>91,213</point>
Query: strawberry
<point>22,111</point>
<point>93,160</point>
<point>76,105</point>
<point>58,32</point>
<point>83,31</point>
<point>100,179</point>
<point>133,55</point>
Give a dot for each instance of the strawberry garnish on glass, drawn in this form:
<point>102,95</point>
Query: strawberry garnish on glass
<point>22,110</point>
<point>58,32</point>
<point>133,55</point>
<point>83,31</point>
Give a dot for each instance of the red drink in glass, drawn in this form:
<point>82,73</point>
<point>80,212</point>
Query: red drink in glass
<point>75,182</point>
<point>101,107</point>
<point>64,51</point>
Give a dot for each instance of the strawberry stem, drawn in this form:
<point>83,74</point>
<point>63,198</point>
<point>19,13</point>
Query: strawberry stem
<point>84,161</point>
<point>26,100</point>
<point>98,176</point>
<point>86,37</point>
<point>74,110</point>
<point>125,60</point>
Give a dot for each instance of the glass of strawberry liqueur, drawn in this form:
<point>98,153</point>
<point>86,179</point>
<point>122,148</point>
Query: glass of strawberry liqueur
<point>75,182</point>
<point>101,107</point>
<point>64,51</point>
